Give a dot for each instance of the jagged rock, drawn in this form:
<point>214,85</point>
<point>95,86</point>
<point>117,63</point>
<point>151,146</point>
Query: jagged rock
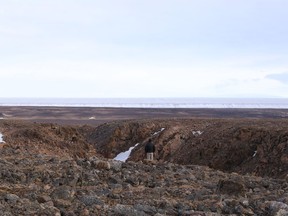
<point>60,203</point>
<point>277,208</point>
<point>85,212</point>
<point>63,192</point>
<point>90,200</point>
<point>126,210</point>
<point>230,187</point>
<point>43,198</point>
<point>11,198</point>
<point>115,165</point>
<point>100,164</point>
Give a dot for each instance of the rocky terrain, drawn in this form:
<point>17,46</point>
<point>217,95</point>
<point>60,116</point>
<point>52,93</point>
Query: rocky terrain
<point>203,166</point>
<point>253,146</point>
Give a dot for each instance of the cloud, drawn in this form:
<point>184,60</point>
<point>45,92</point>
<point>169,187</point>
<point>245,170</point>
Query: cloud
<point>250,88</point>
<point>280,77</point>
<point>148,48</point>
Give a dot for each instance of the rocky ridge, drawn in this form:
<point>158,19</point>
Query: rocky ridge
<point>47,169</point>
<point>255,146</point>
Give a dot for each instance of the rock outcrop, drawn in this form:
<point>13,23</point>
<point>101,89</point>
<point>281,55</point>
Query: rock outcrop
<point>42,184</point>
<point>258,147</point>
<point>203,167</point>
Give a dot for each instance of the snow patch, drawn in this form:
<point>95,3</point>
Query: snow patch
<point>92,117</point>
<point>123,156</point>
<point>254,154</point>
<point>1,138</point>
<point>197,133</point>
<point>158,131</point>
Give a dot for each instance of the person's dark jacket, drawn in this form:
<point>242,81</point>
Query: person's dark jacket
<point>149,147</point>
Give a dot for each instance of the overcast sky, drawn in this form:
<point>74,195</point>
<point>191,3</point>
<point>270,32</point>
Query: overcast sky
<point>143,48</point>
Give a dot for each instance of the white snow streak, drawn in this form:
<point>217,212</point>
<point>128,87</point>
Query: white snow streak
<point>123,156</point>
<point>1,138</point>
<point>158,131</point>
<point>197,133</point>
<point>254,154</point>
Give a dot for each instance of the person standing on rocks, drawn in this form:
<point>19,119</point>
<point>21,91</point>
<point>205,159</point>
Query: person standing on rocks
<point>149,149</point>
